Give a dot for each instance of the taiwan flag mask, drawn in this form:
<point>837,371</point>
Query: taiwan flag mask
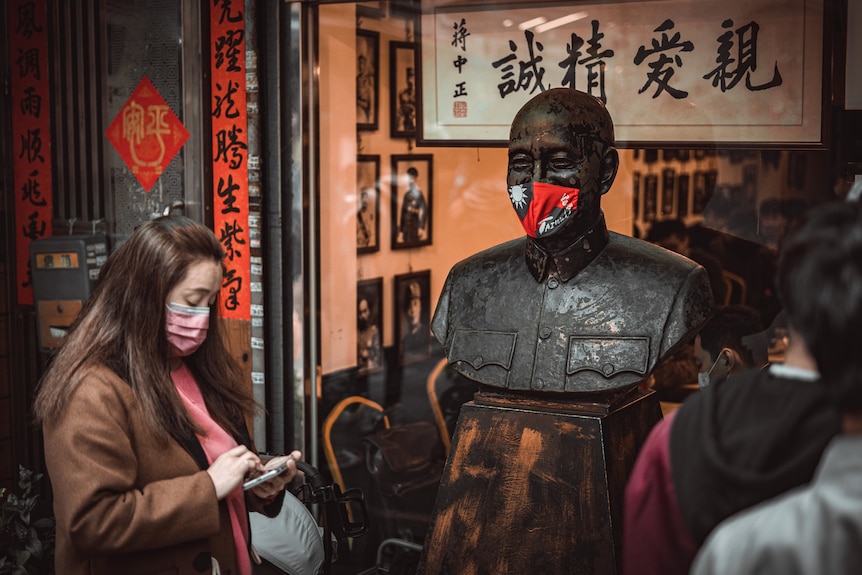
<point>543,207</point>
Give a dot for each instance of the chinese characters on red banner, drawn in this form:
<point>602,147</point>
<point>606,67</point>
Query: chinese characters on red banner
<point>31,130</point>
<point>230,153</point>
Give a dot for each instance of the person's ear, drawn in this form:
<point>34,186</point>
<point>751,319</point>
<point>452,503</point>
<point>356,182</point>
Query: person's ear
<point>732,361</point>
<point>610,164</point>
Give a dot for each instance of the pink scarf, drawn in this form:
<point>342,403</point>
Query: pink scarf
<point>216,441</point>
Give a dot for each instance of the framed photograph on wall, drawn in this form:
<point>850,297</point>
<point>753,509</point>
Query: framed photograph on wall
<point>402,86</point>
<point>650,187</point>
<point>404,8</point>
<point>668,192</point>
<point>367,203</point>
<point>371,9</point>
<point>682,193</point>
<point>369,325</point>
<point>413,316</point>
<point>411,200</point>
<point>700,194</point>
<point>367,79</point>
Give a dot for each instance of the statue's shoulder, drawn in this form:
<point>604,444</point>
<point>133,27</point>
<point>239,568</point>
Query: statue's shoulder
<point>501,254</point>
<point>640,253</point>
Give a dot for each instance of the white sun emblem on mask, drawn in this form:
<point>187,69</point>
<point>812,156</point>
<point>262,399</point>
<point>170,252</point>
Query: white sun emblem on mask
<point>518,195</point>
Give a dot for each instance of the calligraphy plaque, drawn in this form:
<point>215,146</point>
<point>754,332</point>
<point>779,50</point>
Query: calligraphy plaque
<point>671,72</point>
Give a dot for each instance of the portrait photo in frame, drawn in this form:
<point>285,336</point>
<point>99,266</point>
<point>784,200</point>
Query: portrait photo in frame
<point>367,203</point>
<point>369,325</point>
<point>411,200</point>
<point>371,9</point>
<point>367,79</point>
<point>406,9</point>
<point>413,316</point>
<point>402,86</point>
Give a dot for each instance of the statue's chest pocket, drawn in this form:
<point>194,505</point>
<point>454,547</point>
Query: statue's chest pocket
<point>609,356</point>
<point>484,356</point>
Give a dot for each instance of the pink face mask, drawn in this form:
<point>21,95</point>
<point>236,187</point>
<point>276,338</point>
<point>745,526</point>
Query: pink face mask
<point>186,328</point>
<point>542,207</point>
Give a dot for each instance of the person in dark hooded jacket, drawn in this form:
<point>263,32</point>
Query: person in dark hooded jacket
<point>744,439</point>
<point>816,528</point>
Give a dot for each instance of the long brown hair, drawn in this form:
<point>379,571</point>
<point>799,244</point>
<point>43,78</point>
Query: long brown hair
<point>122,327</point>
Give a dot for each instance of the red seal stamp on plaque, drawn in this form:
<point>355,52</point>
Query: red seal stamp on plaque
<point>459,109</point>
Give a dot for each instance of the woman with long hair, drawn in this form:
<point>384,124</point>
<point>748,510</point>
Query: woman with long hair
<point>144,416</point>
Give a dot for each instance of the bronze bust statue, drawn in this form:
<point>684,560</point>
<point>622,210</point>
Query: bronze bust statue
<point>571,307</point>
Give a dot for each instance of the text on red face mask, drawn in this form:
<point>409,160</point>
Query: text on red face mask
<point>542,207</point>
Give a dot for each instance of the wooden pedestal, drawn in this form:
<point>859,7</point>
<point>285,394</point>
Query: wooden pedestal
<point>533,486</point>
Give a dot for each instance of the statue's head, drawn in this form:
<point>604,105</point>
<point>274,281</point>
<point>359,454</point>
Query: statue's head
<point>561,161</point>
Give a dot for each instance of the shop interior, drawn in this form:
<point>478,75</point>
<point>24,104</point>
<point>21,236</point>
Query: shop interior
<point>385,203</point>
<point>737,202</point>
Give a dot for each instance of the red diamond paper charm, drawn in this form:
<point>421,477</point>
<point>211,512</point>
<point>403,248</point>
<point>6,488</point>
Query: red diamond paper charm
<point>147,134</point>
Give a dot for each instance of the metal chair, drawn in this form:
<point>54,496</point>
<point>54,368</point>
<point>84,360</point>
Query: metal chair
<point>736,291</point>
<point>447,391</point>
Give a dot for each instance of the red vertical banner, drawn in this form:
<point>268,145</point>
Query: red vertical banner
<point>31,132</point>
<point>230,153</point>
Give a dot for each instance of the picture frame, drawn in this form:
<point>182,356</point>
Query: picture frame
<point>412,200</point>
<point>481,60</point>
<point>700,192</point>
<point>412,316</point>
<point>404,8</point>
<point>402,86</point>
<point>650,190</point>
<point>668,192</point>
<point>682,193</point>
<point>375,10</point>
<point>369,326</point>
<point>367,203</point>
<point>367,79</point>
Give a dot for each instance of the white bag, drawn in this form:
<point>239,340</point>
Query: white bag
<point>292,540</point>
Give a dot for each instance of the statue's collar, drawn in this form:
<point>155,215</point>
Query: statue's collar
<point>570,261</point>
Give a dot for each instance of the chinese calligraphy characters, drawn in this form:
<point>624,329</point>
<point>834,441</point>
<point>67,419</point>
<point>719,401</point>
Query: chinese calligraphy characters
<point>147,134</point>
<point>523,68</point>
<point>31,128</point>
<point>725,76</point>
<point>230,154</point>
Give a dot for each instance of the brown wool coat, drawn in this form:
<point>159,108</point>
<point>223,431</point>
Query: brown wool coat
<point>125,503</point>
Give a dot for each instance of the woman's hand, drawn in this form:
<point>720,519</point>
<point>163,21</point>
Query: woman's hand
<point>270,489</point>
<point>231,467</point>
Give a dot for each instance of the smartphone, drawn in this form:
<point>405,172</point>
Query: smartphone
<point>264,477</point>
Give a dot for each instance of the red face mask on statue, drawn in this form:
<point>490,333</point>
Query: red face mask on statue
<point>541,207</point>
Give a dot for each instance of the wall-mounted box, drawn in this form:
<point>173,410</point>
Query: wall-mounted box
<point>64,271</point>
